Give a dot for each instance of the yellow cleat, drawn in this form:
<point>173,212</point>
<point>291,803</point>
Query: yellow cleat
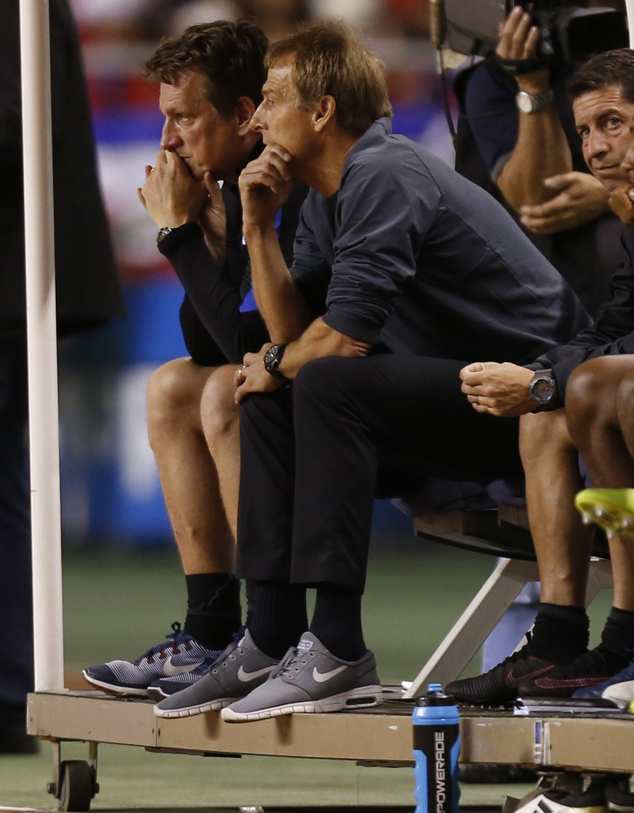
<point>610,508</point>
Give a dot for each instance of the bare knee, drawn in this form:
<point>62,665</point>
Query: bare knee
<point>173,395</point>
<point>220,415</point>
<point>543,433</point>
<point>625,399</point>
<point>585,398</point>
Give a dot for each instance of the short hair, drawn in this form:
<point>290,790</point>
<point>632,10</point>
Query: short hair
<point>330,61</point>
<point>603,70</point>
<point>229,55</point>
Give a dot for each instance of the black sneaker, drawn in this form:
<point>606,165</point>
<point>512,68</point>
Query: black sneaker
<point>619,797</point>
<point>500,684</point>
<point>590,669</point>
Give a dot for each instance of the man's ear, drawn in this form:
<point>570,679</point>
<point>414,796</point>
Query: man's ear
<point>244,110</point>
<point>323,113</point>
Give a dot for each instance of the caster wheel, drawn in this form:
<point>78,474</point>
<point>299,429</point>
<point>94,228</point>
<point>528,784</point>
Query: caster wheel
<point>77,785</point>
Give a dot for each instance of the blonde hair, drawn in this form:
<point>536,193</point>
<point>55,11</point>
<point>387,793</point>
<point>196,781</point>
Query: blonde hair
<point>328,60</point>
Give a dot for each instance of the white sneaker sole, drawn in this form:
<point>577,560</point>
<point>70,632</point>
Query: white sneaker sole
<point>192,711</point>
<point>120,691</point>
<point>541,804</point>
<point>622,693</point>
<point>364,697</point>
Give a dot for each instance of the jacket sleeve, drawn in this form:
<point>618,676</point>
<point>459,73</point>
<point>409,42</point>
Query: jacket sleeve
<point>611,334</point>
<point>213,298</point>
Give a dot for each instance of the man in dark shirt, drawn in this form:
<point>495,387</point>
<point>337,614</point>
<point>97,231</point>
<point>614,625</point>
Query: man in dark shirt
<point>210,85</point>
<point>555,662</point>
<point>400,267</point>
<point>516,107</point>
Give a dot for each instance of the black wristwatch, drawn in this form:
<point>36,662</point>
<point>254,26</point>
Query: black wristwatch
<point>273,359</point>
<point>543,390</point>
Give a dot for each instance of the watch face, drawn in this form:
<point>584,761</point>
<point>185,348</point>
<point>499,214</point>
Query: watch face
<point>270,356</point>
<point>524,102</point>
<point>543,390</point>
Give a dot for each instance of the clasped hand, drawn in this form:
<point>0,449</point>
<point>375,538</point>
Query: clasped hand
<point>499,389</point>
<point>252,376</point>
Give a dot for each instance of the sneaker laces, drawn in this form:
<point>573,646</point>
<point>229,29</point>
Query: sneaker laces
<point>287,664</point>
<point>227,652</point>
<point>178,636</point>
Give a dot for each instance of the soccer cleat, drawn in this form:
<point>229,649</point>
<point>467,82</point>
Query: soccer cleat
<point>591,669</point>
<point>619,688</point>
<point>310,679</point>
<point>238,670</point>
<point>610,508</point>
<point>556,800</point>
<point>500,684</point>
<point>178,654</point>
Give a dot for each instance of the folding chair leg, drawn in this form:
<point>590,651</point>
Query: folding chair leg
<point>474,625</point>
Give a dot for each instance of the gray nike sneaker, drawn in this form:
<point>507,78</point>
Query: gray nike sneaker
<point>240,668</point>
<point>310,679</point>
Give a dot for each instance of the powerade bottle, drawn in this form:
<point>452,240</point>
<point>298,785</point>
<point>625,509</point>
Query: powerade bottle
<point>436,748</point>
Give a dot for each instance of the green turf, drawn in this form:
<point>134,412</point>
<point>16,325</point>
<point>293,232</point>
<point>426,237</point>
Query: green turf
<point>119,603</point>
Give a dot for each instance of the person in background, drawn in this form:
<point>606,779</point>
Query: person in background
<point>556,662</point>
<point>88,294</point>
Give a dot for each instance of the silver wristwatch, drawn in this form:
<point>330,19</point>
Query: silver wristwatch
<point>529,103</point>
<point>543,390</point>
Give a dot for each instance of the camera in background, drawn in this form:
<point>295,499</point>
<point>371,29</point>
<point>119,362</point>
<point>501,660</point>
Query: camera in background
<point>571,33</point>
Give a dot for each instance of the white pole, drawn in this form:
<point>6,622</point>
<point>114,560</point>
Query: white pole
<point>629,8</point>
<point>42,345</point>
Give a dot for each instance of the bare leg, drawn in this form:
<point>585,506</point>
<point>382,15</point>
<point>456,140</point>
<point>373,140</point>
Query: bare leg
<point>187,471</point>
<point>561,540</point>
<point>625,409</point>
<point>597,401</point>
<point>220,419</point>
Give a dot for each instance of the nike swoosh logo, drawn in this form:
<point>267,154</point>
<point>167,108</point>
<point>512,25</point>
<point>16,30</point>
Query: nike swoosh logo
<point>322,677</point>
<point>245,677</point>
<point>571,682</point>
<point>171,670</point>
<point>511,680</point>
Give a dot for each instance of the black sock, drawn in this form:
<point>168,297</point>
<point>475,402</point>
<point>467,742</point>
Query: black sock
<point>618,633</point>
<point>560,633</point>
<point>337,621</point>
<point>278,616</point>
<point>213,608</point>
<point>248,622</point>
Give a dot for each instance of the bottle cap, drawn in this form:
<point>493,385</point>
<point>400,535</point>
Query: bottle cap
<point>435,697</point>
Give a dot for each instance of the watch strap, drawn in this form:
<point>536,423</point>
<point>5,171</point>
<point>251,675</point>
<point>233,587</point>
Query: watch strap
<point>272,360</point>
<point>538,100</point>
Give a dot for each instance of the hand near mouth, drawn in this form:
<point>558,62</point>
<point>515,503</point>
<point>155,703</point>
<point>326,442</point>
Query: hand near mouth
<point>622,201</point>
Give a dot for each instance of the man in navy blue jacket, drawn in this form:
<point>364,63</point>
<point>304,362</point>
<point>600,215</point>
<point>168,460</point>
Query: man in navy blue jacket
<point>401,267</point>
